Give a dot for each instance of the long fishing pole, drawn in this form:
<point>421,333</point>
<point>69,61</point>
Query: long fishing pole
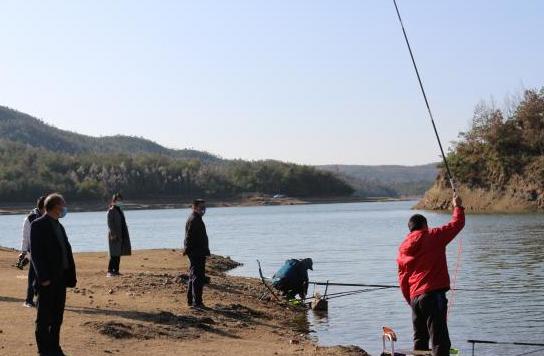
<point>353,285</point>
<point>340,295</point>
<point>344,294</point>
<point>504,343</point>
<point>384,286</point>
<point>450,176</point>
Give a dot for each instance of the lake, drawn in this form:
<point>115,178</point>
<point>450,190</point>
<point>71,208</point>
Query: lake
<point>358,242</point>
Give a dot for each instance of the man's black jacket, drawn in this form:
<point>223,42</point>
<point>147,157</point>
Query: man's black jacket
<point>196,238</point>
<point>47,254</point>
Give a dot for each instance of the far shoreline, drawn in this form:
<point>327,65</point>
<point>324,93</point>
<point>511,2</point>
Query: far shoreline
<point>19,208</point>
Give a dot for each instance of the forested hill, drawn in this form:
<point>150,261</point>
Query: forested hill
<point>499,161</point>
<point>19,127</point>
<point>36,158</point>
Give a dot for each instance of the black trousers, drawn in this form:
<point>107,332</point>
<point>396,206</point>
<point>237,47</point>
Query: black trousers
<point>290,291</point>
<point>30,288</point>
<point>51,301</point>
<point>113,266</point>
<point>429,318</point>
<point>197,279</point>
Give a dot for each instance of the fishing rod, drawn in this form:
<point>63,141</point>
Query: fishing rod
<point>450,176</point>
<point>353,285</point>
<point>347,294</point>
<point>383,286</point>
<point>504,343</point>
<point>344,294</point>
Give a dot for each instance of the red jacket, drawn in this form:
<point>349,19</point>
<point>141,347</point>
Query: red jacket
<point>422,257</point>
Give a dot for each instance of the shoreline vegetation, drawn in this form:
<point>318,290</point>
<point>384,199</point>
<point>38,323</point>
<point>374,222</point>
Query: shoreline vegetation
<point>498,164</point>
<point>156,204</point>
<point>143,311</point>
<point>38,158</point>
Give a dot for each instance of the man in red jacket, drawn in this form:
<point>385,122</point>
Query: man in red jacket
<point>424,278</point>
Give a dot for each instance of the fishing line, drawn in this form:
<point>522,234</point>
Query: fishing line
<point>474,342</point>
<point>450,176</point>
<point>530,352</point>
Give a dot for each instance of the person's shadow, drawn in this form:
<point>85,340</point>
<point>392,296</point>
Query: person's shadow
<point>11,299</point>
<point>161,318</point>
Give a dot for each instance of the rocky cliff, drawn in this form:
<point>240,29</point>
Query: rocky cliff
<point>519,196</point>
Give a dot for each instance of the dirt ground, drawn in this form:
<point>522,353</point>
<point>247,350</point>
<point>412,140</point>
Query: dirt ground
<point>143,312</point>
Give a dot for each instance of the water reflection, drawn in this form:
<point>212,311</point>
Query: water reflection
<point>502,254</point>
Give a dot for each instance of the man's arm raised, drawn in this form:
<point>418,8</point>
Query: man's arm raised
<point>448,232</point>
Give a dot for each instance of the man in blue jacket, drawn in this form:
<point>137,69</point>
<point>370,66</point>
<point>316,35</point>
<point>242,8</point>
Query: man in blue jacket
<point>292,278</point>
<point>55,271</point>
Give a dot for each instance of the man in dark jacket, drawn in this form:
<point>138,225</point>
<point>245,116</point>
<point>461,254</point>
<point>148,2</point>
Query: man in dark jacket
<point>118,236</point>
<point>55,271</point>
<point>292,278</point>
<point>424,278</point>
<point>196,248</point>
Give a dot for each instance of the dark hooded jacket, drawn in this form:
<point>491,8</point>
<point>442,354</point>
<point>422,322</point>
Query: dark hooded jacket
<point>118,236</point>
<point>195,243</point>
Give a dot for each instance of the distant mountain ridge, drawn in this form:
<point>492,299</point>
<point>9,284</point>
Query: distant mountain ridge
<point>22,128</point>
<point>387,180</point>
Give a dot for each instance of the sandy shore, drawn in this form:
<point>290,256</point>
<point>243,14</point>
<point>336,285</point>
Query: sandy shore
<point>143,312</point>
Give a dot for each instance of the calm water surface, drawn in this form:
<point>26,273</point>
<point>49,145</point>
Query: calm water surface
<point>358,242</point>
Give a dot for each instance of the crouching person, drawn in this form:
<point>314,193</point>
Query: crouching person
<point>55,271</point>
<point>292,278</point>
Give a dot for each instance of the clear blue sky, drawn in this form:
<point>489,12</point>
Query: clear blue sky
<point>306,81</point>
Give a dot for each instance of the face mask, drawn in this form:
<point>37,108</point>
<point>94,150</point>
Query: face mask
<point>63,212</point>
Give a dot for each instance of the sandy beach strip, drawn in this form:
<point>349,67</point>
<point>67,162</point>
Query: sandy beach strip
<point>144,312</point>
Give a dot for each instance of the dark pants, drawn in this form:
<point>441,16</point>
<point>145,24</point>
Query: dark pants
<point>51,301</point>
<point>30,288</point>
<point>290,290</point>
<point>429,317</point>
<point>197,278</point>
<point>113,266</point>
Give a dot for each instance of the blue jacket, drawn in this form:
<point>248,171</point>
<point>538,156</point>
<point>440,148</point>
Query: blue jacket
<point>293,275</point>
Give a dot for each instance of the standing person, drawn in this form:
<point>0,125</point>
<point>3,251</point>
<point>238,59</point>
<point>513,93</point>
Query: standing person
<point>25,250</point>
<point>118,237</point>
<point>55,271</point>
<point>424,278</point>
<point>197,249</point>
